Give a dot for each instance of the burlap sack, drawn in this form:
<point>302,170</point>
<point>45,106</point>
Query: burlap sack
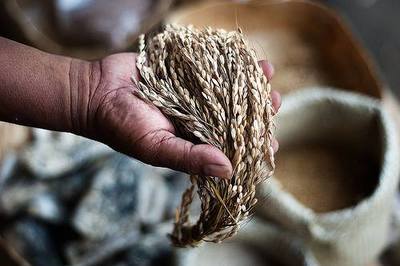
<point>354,235</point>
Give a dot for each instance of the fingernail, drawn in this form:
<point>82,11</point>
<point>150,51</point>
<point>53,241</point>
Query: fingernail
<point>218,170</point>
<point>272,71</point>
<point>275,145</point>
<point>268,69</point>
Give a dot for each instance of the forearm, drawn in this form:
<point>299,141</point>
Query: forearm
<point>42,90</point>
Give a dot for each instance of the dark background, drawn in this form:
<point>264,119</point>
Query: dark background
<point>377,24</point>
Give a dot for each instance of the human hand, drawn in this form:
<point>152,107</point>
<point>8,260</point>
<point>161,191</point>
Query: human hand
<point>115,116</point>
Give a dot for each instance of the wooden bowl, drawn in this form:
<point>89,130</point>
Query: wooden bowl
<point>307,42</point>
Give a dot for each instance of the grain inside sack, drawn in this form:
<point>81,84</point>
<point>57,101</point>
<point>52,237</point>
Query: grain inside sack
<point>208,82</point>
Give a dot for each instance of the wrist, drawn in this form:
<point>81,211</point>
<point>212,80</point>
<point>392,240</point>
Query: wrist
<point>84,78</point>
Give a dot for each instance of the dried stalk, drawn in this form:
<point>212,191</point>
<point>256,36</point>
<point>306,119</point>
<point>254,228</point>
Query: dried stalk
<point>208,82</point>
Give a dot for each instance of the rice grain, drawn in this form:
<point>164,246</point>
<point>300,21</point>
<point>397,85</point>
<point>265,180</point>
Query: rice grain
<point>209,84</point>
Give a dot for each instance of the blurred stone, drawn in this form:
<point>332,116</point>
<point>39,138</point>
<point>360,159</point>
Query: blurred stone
<point>152,250</point>
<point>69,189</point>
<point>21,192</point>
<point>124,193</point>
<point>54,154</point>
<point>148,248</point>
<point>47,207</point>
<point>7,167</point>
<point>115,203</point>
<point>152,197</point>
<point>96,253</point>
<point>16,196</point>
<point>33,241</point>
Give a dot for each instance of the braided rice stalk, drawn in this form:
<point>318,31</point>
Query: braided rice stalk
<point>208,82</point>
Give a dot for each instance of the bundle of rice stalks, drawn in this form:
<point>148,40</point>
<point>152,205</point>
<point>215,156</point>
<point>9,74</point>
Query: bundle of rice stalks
<point>208,82</point>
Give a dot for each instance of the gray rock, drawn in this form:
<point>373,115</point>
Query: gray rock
<point>150,248</point>
<point>16,196</point>
<point>152,197</point>
<point>151,251</point>
<point>155,248</point>
<point>22,192</point>
<point>70,188</point>
<point>96,253</point>
<point>47,207</point>
<point>54,154</point>
<point>124,194</point>
<point>8,166</point>
<point>114,202</point>
<point>33,242</point>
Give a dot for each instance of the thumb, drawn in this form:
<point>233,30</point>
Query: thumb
<point>163,148</point>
